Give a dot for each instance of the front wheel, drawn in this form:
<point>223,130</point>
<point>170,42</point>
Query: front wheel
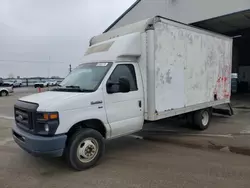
<point>84,149</point>
<point>4,93</point>
<point>202,118</point>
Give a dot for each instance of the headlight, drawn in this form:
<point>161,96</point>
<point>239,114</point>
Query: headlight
<point>47,123</point>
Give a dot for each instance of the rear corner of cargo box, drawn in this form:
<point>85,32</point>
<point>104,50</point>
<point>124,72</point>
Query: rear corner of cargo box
<point>178,80</point>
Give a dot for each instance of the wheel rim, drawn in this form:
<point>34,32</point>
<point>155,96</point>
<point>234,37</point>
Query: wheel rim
<point>205,118</point>
<point>87,150</point>
<point>4,93</point>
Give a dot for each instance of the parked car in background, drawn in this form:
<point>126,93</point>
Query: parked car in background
<point>14,83</point>
<point>5,90</point>
<point>41,84</point>
<point>53,83</point>
<point>234,82</point>
<point>1,81</point>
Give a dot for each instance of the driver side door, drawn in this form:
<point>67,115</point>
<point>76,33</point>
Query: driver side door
<point>124,110</point>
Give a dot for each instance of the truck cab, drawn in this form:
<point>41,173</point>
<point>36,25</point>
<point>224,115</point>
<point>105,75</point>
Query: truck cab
<point>101,99</point>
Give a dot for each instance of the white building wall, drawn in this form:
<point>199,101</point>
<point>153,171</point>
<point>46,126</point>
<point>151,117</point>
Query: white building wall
<point>186,11</point>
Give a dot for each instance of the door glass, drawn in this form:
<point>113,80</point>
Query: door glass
<point>127,71</point>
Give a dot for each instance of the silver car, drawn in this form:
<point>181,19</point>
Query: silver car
<point>6,90</point>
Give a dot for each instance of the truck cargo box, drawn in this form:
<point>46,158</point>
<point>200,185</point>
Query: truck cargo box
<point>183,68</point>
<point>191,68</point>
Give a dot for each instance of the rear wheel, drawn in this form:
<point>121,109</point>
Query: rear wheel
<point>202,118</point>
<point>4,93</point>
<point>84,149</point>
<point>190,119</point>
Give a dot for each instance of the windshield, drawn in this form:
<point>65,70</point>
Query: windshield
<point>86,77</point>
<point>10,81</point>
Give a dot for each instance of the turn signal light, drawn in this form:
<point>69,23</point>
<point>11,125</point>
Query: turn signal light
<point>53,116</point>
<point>50,116</point>
<point>46,116</point>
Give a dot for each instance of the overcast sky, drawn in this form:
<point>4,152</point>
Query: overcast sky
<point>42,37</point>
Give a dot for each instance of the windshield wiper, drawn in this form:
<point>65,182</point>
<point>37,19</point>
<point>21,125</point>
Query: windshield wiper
<point>78,87</point>
<point>73,87</point>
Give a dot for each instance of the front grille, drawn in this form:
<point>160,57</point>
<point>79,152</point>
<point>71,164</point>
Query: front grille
<point>25,114</point>
<point>23,118</point>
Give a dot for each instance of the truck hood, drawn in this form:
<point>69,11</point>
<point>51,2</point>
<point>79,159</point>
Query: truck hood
<point>52,99</point>
<point>49,96</point>
<point>63,101</point>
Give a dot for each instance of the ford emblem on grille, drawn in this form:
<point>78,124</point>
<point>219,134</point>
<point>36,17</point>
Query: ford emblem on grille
<point>20,117</point>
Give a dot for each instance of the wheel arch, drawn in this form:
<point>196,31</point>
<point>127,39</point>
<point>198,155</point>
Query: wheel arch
<point>95,124</point>
<point>5,90</point>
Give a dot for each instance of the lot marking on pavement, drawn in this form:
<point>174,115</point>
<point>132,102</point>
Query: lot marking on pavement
<point>180,133</point>
<point>246,130</point>
<point>7,117</point>
<point>5,141</point>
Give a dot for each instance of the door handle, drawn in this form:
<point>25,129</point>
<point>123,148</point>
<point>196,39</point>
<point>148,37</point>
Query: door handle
<point>139,103</point>
<point>96,102</point>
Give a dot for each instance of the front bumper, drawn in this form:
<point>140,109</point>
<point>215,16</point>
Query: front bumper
<point>39,145</point>
<point>11,91</point>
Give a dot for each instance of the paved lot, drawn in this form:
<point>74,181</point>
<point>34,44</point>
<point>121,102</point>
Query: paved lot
<point>6,103</point>
<point>129,162</point>
<point>232,133</point>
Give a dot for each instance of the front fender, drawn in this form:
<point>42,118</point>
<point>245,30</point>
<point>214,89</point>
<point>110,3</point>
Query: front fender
<point>69,118</point>
<point>4,90</point>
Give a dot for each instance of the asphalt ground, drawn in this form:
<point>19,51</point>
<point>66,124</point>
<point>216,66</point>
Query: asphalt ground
<point>132,162</point>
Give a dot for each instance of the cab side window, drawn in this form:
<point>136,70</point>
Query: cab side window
<point>124,71</point>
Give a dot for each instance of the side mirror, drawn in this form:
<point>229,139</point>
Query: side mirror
<point>124,85</point>
<point>109,87</point>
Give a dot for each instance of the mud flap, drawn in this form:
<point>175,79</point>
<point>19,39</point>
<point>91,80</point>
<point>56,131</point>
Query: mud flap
<point>228,112</point>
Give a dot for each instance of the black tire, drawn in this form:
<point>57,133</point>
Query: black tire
<point>75,141</point>
<point>202,118</point>
<point>4,93</point>
<point>190,119</point>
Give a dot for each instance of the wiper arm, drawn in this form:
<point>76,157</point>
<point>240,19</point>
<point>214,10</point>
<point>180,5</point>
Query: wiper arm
<point>73,87</point>
<point>78,88</point>
<point>86,90</point>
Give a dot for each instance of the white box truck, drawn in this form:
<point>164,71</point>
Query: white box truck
<point>146,71</point>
